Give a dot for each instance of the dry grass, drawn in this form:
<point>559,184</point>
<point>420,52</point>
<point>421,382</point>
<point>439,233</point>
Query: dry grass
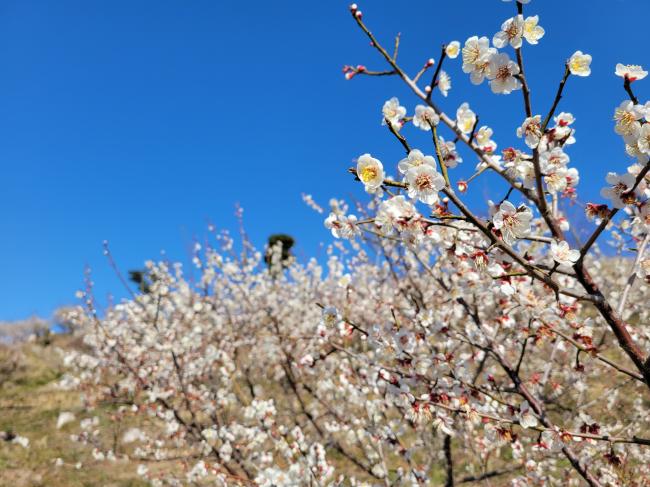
<point>30,404</point>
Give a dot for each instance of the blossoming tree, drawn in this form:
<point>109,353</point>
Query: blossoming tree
<point>445,344</point>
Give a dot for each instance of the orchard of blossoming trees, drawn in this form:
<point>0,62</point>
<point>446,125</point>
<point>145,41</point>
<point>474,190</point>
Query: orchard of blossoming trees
<point>439,345</point>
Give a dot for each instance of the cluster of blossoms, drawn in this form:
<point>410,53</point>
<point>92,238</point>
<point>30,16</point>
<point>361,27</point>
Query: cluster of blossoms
<point>437,340</point>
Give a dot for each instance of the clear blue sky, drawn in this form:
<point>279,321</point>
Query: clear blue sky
<point>140,121</point>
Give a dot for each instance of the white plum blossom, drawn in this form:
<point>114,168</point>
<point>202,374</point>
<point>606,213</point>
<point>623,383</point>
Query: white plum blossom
<point>512,31</point>
<point>484,139</point>
<point>620,192</point>
<point>465,118</point>
<point>425,117</point>
<point>531,131</point>
<point>627,116</point>
<point>453,49</point>
<point>396,213</point>
<point>554,158</point>
<point>533,32</point>
<point>631,72</point>
<point>512,222</point>
<point>502,72</point>
<point>370,172</point>
<point>393,112</point>
<point>415,158</point>
<point>643,271</point>
<point>527,418</point>
<point>450,157</point>
<point>444,83</point>
<point>556,179</point>
<point>342,226</point>
<point>476,58</point>
<point>579,64</point>
<point>563,254</point>
<point>424,183</point>
<point>644,139</point>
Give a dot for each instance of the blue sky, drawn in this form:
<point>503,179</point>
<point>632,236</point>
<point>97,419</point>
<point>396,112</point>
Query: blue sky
<point>140,121</point>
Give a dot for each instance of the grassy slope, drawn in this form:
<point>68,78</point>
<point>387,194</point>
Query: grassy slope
<point>29,406</point>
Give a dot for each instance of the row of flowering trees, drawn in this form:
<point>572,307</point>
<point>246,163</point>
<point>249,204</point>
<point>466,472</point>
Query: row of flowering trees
<point>440,344</point>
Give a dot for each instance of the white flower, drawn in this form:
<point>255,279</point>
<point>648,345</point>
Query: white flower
<point>532,31</point>
<point>396,213</point>
<point>342,226</point>
<point>393,112</point>
<point>450,157</point>
<point>424,183</point>
<point>644,139</point>
<point>527,417</point>
<point>424,117</point>
<point>627,117</point>
<point>444,83</point>
<point>563,254</point>
<point>512,31</point>
<point>484,139</point>
<point>631,72</point>
<point>531,130</point>
<point>512,222</point>
<point>579,64</point>
<point>619,192</point>
<point>501,73</point>
<point>453,49</point>
<point>644,269</point>
<point>564,119</point>
<point>553,159</point>
<point>465,118</point>
<point>556,179</point>
<point>64,418</point>
<point>414,159</point>
<point>370,172</point>
<point>330,316</point>
<point>476,58</point>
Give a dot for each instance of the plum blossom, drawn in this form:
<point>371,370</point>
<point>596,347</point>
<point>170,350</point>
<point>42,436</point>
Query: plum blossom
<point>425,117</point>
<point>450,157</point>
<point>396,213</point>
<point>620,192</point>
<point>342,226</point>
<point>644,139</point>
<point>370,172</point>
<point>484,139</point>
<point>453,49</point>
<point>444,83</point>
<point>502,72</point>
<point>527,418</point>
<point>393,112</point>
<point>531,130</point>
<point>415,158</point>
<point>476,58</point>
<point>533,32</point>
<point>512,31</point>
<point>556,179</point>
<point>465,118</point>
<point>513,223</point>
<point>579,64</point>
<point>563,254</point>
<point>631,72</point>
<point>627,116</point>
<point>424,183</point>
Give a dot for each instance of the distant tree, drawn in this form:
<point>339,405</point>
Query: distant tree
<point>286,241</point>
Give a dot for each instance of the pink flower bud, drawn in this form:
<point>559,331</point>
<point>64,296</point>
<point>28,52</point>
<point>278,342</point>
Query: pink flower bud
<point>358,14</point>
<point>353,7</point>
<point>462,186</point>
<point>430,62</point>
<point>427,89</point>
